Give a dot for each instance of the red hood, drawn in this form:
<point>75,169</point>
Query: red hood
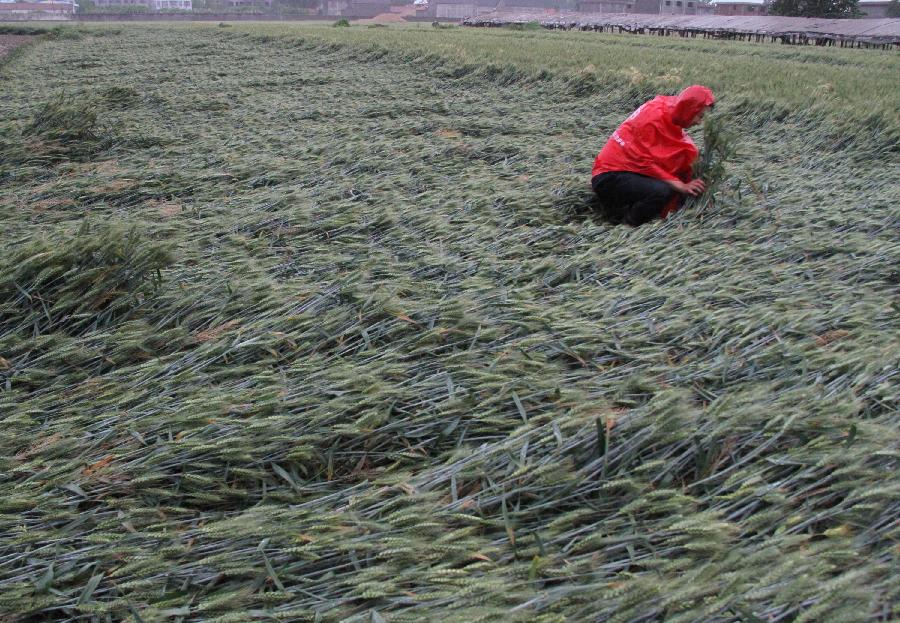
<point>689,102</point>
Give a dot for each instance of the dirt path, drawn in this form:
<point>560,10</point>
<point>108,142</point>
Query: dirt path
<point>8,43</point>
<point>395,16</point>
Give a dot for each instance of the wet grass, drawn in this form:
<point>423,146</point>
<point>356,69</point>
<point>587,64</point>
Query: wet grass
<point>856,82</point>
<point>314,326</point>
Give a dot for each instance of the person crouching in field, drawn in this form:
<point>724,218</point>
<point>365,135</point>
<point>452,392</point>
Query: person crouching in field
<point>644,170</point>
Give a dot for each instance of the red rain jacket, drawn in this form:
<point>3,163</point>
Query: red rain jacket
<point>652,141</point>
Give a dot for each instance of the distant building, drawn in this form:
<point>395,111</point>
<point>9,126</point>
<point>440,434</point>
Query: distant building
<point>741,7</point>
<point>607,6</point>
<point>549,7</point>
<point>662,7</point>
<point>356,8</point>
<point>458,9</point>
<point>10,10</point>
<point>369,8</point>
<point>244,3</point>
<point>684,7</point>
<point>651,7</point>
<point>153,5</point>
<point>874,8</point>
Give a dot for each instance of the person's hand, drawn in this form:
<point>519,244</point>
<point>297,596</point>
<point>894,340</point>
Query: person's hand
<point>692,188</point>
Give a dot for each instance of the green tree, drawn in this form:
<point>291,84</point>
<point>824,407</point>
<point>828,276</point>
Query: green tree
<point>815,8</point>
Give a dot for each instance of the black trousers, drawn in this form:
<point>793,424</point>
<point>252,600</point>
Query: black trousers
<point>630,197</point>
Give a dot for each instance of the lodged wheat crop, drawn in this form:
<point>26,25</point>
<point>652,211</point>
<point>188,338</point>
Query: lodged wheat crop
<point>314,324</point>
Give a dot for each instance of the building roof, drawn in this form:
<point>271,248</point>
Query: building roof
<point>757,2</point>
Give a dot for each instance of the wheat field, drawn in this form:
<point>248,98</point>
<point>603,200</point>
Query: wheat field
<point>304,323</point>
